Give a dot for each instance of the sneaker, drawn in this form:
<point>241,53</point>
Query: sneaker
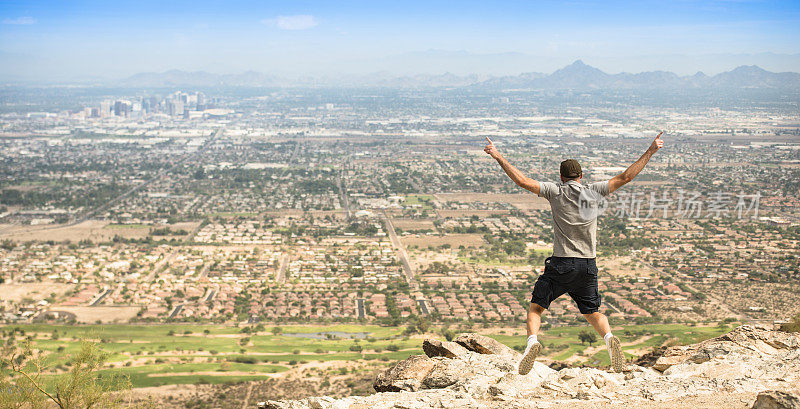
<point>529,357</point>
<point>617,357</point>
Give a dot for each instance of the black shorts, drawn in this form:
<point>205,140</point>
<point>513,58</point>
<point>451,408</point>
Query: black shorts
<point>573,275</point>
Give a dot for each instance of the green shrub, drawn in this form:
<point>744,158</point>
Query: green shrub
<point>793,325</point>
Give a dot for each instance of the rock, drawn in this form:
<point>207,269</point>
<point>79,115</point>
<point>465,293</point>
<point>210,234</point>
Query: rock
<point>482,374</point>
<point>406,375</point>
<point>435,347</point>
<point>590,378</point>
<point>485,345</point>
<point>514,385</point>
<point>650,358</point>
<point>755,335</point>
<point>776,400</point>
<point>640,373</point>
<point>500,363</point>
<point>446,372</point>
<point>559,386</point>
<point>282,404</point>
<point>556,365</point>
<point>746,339</point>
<point>664,362</point>
<point>321,402</point>
<point>471,372</point>
<point>317,402</point>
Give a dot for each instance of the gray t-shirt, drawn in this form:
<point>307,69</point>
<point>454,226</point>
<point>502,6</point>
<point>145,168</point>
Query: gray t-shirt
<point>574,230</point>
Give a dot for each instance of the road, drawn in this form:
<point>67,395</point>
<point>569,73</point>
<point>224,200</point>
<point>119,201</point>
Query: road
<point>211,295</point>
<point>423,306</point>
<point>160,265</point>
<point>282,267</point>
<point>401,251</point>
<point>611,305</point>
<point>101,297</point>
<point>176,311</point>
<point>361,313</point>
<point>345,201</point>
<point>194,231</point>
<point>291,159</point>
<point>204,270</point>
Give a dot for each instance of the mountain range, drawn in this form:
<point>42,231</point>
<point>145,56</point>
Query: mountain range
<point>576,76</point>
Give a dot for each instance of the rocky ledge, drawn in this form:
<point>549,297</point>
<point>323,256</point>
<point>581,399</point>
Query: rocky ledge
<point>475,371</point>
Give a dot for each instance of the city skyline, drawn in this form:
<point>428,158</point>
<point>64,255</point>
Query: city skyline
<point>55,41</point>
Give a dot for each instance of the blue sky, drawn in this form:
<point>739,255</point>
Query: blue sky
<point>113,39</point>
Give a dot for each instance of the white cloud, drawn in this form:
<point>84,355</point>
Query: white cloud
<point>296,22</point>
<point>20,21</point>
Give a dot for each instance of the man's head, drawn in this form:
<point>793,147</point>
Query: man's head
<point>571,170</point>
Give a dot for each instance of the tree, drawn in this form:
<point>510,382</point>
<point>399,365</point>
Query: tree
<point>7,245</point>
<point>587,336</point>
<point>448,334</point>
<point>83,387</point>
<point>422,325</point>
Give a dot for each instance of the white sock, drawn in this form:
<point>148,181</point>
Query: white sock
<point>531,340</point>
<point>607,338</point>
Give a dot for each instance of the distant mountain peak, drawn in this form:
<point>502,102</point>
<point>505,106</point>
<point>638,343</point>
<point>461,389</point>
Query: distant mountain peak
<point>749,69</point>
<point>575,76</point>
<point>580,66</point>
<point>579,75</point>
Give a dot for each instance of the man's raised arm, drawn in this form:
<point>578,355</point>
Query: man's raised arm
<point>518,177</point>
<point>618,181</point>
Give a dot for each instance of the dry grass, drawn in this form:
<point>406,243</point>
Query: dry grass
<point>103,313</point>
<point>513,198</point>
<point>454,240</point>
<point>93,230</point>
<point>37,291</point>
<point>470,213</point>
<point>413,224</point>
<point>622,266</point>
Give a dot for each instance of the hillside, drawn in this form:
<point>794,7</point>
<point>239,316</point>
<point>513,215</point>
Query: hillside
<point>751,366</point>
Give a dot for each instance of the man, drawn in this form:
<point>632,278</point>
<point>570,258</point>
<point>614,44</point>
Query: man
<point>572,268</point>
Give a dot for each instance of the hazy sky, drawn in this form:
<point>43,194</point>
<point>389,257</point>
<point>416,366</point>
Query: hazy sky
<point>57,40</point>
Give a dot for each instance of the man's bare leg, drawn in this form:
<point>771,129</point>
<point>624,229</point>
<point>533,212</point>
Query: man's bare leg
<point>600,324</point>
<point>534,320</point>
<point>533,347</point>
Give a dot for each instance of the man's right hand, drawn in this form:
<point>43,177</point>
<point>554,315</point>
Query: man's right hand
<point>657,143</point>
<point>490,149</point>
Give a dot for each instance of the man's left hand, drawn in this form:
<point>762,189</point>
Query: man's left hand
<point>491,149</point>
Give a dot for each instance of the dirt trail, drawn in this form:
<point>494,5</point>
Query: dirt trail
<point>214,373</point>
<point>247,396</point>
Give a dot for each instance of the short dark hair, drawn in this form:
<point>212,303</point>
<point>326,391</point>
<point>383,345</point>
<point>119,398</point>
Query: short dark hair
<point>571,169</point>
